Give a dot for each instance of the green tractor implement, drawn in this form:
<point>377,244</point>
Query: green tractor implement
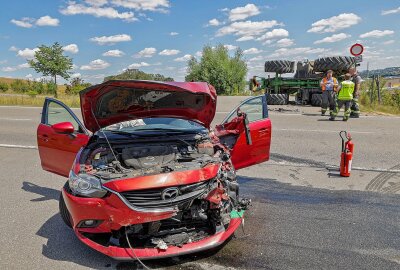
<point>305,84</point>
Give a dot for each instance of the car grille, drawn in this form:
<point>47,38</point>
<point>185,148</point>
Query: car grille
<point>153,198</point>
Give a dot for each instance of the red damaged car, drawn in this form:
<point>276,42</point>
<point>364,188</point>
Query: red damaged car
<point>146,176</point>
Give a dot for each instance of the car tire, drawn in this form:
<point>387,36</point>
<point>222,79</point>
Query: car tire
<point>65,215</point>
<point>316,100</point>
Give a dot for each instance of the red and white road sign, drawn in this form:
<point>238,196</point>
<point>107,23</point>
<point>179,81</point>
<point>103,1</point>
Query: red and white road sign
<point>357,49</point>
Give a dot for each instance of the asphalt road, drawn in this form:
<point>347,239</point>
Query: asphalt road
<point>303,215</point>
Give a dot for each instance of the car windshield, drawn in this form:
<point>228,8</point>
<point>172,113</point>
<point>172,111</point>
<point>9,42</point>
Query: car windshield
<point>162,124</point>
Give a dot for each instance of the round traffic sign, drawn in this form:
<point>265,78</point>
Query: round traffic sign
<point>357,49</point>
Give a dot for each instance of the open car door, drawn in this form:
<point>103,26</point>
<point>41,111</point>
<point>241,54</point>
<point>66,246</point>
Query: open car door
<point>247,132</point>
<point>60,135</point>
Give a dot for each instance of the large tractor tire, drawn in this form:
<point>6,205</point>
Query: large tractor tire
<point>65,215</point>
<point>335,63</point>
<point>316,100</point>
<point>277,99</point>
<point>279,66</point>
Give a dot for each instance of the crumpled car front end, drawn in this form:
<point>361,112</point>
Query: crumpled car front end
<point>155,215</point>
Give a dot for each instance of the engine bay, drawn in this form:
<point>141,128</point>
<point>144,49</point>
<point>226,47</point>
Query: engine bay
<point>139,158</point>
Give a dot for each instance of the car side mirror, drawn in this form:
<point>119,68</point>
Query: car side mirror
<point>64,128</point>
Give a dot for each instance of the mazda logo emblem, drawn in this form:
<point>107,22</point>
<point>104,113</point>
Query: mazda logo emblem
<point>170,193</point>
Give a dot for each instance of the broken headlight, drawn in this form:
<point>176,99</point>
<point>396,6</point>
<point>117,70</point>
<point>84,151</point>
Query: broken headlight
<point>85,185</point>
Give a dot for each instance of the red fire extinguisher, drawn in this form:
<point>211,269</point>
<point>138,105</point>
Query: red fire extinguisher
<point>346,156</point>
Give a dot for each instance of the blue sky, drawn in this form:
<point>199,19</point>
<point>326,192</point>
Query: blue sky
<point>105,37</point>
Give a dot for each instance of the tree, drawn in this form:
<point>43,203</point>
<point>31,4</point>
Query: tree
<point>135,74</point>
<point>50,61</point>
<point>226,73</point>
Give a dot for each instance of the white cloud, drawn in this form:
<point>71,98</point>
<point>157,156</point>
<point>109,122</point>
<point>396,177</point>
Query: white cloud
<point>146,52</point>
<point>138,65</point>
<point>213,22</point>
<point>24,65</point>
<point>27,22</point>
<point>29,76</point>
<point>184,58</point>
<point>3,62</point>
<point>96,65</point>
<point>8,69</point>
<point>98,11</point>
<point>76,75</point>
<point>334,23</point>
<point>97,3</point>
<point>333,38</point>
<point>230,47</point>
<point>24,22</point>
<point>388,42</point>
<point>110,40</point>
<point>391,11</point>
<point>47,21</point>
<point>276,33</point>
<point>27,53</point>
<point>247,28</point>
<point>169,52</point>
<point>199,54</point>
<point>18,67</point>
<point>285,42</point>
<point>257,58</point>
<point>71,48</point>
<point>150,5</point>
<point>13,49</point>
<point>241,13</point>
<point>114,53</point>
<point>245,38</point>
<point>252,51</point>
<point>377,34</point>
<point>173,33</point>
<point>296,51</point>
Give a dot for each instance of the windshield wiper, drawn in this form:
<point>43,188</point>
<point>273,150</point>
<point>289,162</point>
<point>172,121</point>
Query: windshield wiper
<point>166,130</point>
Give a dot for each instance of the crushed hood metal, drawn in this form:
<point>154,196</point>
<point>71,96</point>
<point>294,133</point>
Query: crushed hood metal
<point>122,100</point>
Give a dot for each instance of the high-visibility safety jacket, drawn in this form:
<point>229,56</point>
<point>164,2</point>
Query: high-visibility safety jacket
<point>325,81</point>
<point>346,90</point>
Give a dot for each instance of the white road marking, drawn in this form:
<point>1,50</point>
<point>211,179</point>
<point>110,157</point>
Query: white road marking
<point>16,119</point>
<point>18,146</point>
<point>320,130</point>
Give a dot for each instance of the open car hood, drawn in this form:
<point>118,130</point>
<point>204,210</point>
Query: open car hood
<point>116,101</point>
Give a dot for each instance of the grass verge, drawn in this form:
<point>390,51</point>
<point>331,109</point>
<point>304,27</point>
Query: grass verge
<point>379,109</point>
<point>25,100</point>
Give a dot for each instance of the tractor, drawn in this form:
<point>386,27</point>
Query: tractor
<point>305,84</point>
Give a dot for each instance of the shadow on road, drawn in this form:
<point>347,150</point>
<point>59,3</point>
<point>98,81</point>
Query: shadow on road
<point>46,193</point>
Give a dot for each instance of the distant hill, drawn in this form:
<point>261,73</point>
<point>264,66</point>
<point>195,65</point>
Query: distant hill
<point>385,72</point>
<point>135,74</point>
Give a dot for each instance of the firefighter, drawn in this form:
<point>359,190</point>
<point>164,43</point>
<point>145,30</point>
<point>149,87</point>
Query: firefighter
<point>344,97</point>
<point>329,86</point>
<point>355,108</point>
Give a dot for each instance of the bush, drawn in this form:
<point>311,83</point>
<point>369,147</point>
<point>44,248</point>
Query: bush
<point>19,86</point>
<point>32,93</point>
<point>37,87</point>
<point>51,88</point>
<point>77,85</point>
<point>3,87</point>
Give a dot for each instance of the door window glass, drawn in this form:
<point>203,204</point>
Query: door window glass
<point>253,108</point>
<point>57,114</point>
